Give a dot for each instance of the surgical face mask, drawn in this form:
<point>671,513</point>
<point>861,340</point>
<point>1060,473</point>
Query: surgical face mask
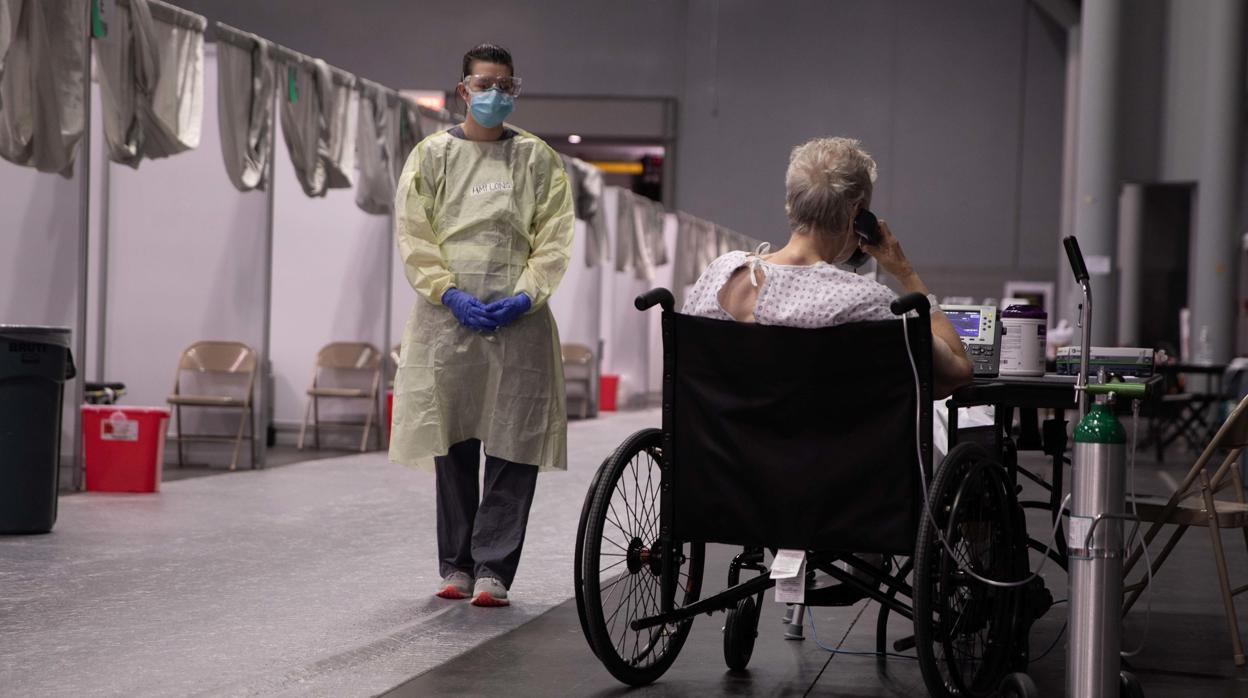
<point>491,108</point>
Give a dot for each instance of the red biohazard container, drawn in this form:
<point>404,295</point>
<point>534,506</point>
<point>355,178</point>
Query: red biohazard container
<point>123,447</point>
<point>389,413</point>
<point>608,386</point>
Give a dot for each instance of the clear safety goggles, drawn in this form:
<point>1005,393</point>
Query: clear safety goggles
<point>481,83</point>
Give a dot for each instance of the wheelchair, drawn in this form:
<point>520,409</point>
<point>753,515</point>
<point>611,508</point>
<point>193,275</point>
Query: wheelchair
<point>816,440</point>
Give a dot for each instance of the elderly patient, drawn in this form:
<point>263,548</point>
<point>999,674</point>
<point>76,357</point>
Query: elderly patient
<point>829,180</point>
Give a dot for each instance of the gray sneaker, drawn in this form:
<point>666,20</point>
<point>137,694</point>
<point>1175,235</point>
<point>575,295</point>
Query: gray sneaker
<point>457,586</point>
<point>488,591</point>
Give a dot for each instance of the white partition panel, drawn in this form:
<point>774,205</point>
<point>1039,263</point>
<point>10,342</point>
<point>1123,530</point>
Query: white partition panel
<point>663,277</point>
<point>576,302</point>
<point>625,332</point>
<point>39,250</point>
<point>185,263</point>
<point>329,285</point>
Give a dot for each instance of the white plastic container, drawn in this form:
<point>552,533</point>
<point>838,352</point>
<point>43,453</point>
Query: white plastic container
<point>1023,330</point>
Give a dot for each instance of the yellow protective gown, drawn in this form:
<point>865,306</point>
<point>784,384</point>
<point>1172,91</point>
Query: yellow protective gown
<point>492,219</point>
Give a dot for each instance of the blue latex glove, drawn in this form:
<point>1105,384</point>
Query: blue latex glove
<point>470,312</point>
<point>508,310</point>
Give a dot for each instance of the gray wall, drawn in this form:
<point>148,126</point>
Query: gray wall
<point>960,100</point>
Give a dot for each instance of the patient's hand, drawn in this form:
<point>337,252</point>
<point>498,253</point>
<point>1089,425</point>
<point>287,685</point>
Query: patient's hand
<point>889,254</point>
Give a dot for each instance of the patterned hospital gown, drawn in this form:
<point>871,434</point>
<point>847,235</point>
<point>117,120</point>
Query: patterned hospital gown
<point>818,295</point>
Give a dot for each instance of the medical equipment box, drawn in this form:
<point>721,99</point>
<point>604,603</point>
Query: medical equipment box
<point>1124,361</point>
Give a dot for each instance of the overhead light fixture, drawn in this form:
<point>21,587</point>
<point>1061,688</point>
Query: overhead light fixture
<point>574,139</point>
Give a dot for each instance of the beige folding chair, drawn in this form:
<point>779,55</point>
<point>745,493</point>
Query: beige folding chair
<point>578,368</point>
<point>345,359</point>
<point>226,359</point>
<point>1193,504</point>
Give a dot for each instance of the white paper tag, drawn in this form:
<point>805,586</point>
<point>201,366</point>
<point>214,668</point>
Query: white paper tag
<point>118,428</point>
<point>1077,533</point>
<point>789,570</point>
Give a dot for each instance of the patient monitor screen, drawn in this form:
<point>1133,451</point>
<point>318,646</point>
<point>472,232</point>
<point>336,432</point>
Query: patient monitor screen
<point>966,322</point>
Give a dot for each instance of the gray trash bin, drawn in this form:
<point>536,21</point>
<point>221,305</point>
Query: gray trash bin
<point>35,362</point>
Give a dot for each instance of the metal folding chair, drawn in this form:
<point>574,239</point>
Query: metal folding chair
<point>233,359</point>
<point>1193,503</point>
<point>345,361</point>
<point>578,369</point>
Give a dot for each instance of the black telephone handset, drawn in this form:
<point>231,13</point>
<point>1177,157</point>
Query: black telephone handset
<point>867,228</point>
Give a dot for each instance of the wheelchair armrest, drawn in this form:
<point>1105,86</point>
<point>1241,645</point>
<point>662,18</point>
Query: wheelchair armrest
<point>655,296</point>
<point>911,301</point>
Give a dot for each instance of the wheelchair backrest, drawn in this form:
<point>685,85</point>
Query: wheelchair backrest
<point>795,438</point>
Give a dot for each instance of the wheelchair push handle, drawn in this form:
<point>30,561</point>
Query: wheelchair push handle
<point>653,297</point>
<point>911,301</point>
<point>1076,258</point>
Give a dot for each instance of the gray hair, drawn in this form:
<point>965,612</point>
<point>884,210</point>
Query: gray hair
<point>826,179</point>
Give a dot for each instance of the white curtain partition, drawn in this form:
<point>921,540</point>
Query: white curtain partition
<point>329,285</point>
<point>625,331</point>
<point>185,263</point>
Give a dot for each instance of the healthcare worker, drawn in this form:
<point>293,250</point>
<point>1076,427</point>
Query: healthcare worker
<point>483,219</point>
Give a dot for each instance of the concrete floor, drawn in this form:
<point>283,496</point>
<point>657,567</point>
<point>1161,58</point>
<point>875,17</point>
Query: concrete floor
<point>310,579</point>
<point>1187,651</point>
<point>315,579</point>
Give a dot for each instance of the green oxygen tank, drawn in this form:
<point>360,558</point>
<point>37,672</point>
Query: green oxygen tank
<point>1097,505</point>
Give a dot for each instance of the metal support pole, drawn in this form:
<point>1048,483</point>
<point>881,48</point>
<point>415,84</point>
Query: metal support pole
<point>1096,152</point>
<point>1130,237</point>
<point>1215,246</point>
<point>101,286</point>
<point>1068,293</point>
<point>84,252</point>
<point>387,336</point>
<point>263,417</point>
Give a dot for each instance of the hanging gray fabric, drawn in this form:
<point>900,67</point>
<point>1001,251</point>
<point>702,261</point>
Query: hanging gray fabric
<point>377,147</point>
<point>575,183</point>
<point>41,109</point>
<point>590,209</point>
<point>151,81</point>
<point>625,231</point>
<point>409,133</point>
<point>8,27</point>
<point>643,238</point>
<point>707,244</point>
<point>685,262</point>
<point>304,126</point>
<point>343,116</point>
<point>318,113</point>
<point>658,244</point>
<point>246,82</point>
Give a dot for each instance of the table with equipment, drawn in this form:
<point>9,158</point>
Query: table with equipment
<point>1028,396</point>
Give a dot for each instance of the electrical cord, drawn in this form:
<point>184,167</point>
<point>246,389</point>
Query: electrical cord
<point>927,507</point>
<point>1135,511</point>
<point>810,618</point>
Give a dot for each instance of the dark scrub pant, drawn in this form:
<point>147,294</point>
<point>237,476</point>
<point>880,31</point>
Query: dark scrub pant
<point>482,535</point>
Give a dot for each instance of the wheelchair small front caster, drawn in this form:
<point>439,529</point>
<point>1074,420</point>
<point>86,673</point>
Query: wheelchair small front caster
<point>1129,686</point>
<point>740,630</point>
<point>1018,685</point>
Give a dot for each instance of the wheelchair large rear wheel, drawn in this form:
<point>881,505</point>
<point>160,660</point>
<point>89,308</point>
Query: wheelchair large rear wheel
<point>619,560</point>
<point>965,629</point>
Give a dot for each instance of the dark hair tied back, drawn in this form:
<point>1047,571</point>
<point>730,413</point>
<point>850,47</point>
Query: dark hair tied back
<point>489,53</point>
